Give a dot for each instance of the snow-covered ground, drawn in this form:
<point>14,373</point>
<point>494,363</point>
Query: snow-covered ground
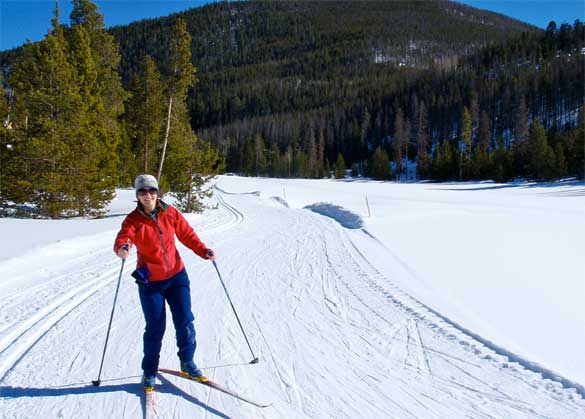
<point>442,300</point>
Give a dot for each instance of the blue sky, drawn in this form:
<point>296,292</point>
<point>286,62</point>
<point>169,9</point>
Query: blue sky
<point>22,19</point>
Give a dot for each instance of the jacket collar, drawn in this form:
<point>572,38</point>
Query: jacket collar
<point>161,207</point>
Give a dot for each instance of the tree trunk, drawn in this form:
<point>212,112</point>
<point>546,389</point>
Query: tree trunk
<point>162,157</point>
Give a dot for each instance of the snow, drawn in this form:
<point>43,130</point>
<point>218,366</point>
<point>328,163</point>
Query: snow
<point>449,300</point>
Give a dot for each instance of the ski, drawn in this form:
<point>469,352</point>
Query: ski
<point>149,412</point>
<point>207,382</point>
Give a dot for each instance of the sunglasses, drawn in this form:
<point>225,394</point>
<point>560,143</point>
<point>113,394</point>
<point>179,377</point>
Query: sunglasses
<point>151,191</point>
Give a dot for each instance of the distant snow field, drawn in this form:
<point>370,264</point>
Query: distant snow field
<point>361,299</point>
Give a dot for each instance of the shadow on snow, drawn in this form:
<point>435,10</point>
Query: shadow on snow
<point>344,217</point>
<point>136,389</point>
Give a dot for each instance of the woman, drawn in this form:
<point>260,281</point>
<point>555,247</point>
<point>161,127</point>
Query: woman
<point>160,274</point>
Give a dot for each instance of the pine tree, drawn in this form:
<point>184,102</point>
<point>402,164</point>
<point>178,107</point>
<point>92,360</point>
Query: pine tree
<point>327,170</point>
<point>423,161</point>
<point>181,76</point>
<point>521,131</point>
<point>501,162</point>
<point>398,140</point>
<point>105,52</point>
<point>55,153</point>
<point>444,165</point>
<point>321,172</point>
<point>300,162</point>
<point>204,163</point>
<point>4,109</point>
<point>312,168</point>
<point>93,148</point>
<point>6,144</point>
<point>178,172</point>
<point>540,157</point>
<point>145,115</point>
<point>274,161</point>
<point>249,157</point>
<point>465,143</point>
<point>577,149</point>
<point>340,167</point>
<point>379,165</point>
<point>560,161</point>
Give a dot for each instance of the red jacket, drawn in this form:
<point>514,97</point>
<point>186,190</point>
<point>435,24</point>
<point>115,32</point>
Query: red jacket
<point>155,240</point>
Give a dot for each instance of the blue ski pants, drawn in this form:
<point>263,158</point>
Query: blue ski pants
<point>177,294</point>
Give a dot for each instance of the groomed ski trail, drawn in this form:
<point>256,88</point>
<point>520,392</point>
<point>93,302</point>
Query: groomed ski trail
<point>335,337</point>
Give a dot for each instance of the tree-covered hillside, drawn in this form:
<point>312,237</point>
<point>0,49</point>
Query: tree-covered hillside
<point>262,58</point>
<point>391,89</point>
<point>286,87</point>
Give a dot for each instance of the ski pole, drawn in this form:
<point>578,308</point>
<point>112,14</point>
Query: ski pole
<point>255,359</point>
<point>98,381</point>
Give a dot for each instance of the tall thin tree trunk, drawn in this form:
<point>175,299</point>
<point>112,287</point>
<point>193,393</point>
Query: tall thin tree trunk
<point>145,158</point>
<point>162,157</point>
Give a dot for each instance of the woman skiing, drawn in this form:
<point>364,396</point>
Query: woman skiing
<point>160,274</point>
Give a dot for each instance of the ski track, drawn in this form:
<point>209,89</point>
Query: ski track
<point>380,348</point>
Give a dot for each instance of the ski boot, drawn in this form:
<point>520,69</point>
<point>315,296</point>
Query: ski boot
<point>190,370</point>
<point>148,381</point>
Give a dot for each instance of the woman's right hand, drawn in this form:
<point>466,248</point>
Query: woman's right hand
<point>124,251</point>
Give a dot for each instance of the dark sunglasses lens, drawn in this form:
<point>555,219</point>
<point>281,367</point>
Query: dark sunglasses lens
<point>151,191</point>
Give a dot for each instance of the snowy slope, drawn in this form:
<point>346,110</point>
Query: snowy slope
<point>350,315</point>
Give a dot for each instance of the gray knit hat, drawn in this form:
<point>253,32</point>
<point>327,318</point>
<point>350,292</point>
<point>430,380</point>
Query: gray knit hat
<point>145,181</point>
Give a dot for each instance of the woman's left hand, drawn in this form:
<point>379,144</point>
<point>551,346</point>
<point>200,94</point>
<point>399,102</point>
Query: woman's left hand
<point>210,254</point>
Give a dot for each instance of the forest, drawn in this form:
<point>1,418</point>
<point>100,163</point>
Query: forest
<point>400,90</point>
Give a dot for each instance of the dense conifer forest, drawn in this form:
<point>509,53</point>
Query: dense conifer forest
<point>286,87</point>
<point>389,89</point>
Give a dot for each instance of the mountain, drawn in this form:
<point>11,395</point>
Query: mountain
<point>286,88</point>
<point>262,58</point>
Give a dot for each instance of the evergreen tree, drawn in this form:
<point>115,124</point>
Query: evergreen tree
<point>259,155</point>
<point>379,165</point>
<point>313,163</point>
<point>521,133</point>
<point>274,161</point>
<point>327,170</point>
<point>105,52</point>
<point>181,76</point>
<point>4,109</point>
<point>300,162</point>
<point>95,144</point>
<point>6,144</point>
<point>204,163</point>
<point>485,132</point>
<point>540,157</point>
<point>321,170</point>
<point>398,140</point>
<point>423,161</point>
<point>560,161</point>
<point>145,114</point>
<point>501,162</point>
<point>465,144</point>
<point>339,167</point>
<point>60,154</point>
<point>249,157</point>
<point>576,160</point>
<point>444,165</point>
